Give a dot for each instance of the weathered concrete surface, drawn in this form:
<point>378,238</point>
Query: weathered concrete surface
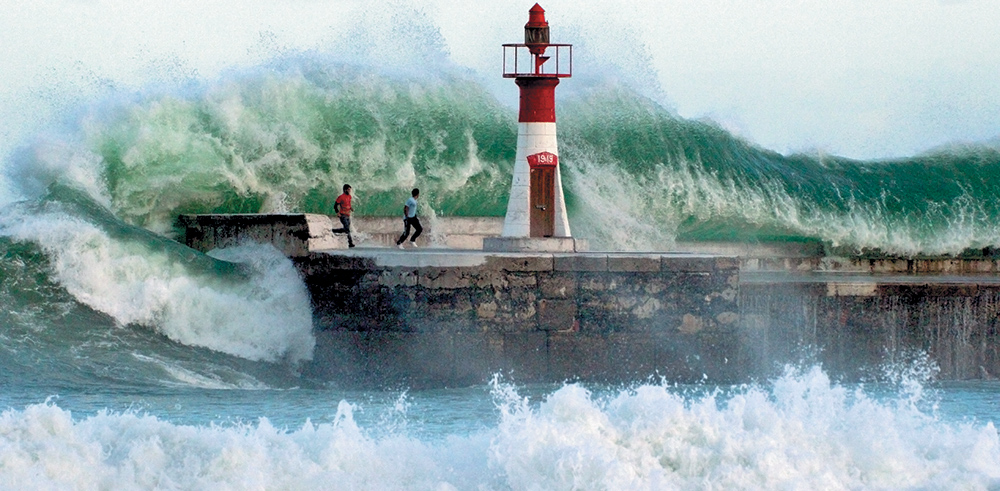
<point>405,317</point>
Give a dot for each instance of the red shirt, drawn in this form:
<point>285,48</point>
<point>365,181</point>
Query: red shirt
<point>344,202</point>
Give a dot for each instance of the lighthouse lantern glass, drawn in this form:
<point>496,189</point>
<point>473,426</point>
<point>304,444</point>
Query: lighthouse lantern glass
<point>536,35</point>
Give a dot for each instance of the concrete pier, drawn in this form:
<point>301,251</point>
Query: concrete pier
<point>442,315</point>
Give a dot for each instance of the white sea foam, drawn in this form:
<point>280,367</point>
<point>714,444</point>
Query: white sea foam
<point>42,447</point>
<point>806,434</point>
<point>266,317</point>
<point>803,433</point>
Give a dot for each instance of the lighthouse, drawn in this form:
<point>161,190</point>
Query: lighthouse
<point>536,218</point>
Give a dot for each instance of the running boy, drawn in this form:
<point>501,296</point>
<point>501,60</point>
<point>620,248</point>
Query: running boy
<point>410,220</point>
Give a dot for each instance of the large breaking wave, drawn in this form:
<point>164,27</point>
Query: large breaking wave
<point>638,177</point>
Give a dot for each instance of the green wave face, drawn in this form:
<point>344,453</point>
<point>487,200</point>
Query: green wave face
<point>636,177</point>
<point>288,143</point>
<point>642,178</point>
<point>247,301</point>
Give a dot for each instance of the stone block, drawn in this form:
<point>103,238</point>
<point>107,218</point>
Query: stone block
<point>680,358</point>
<point>557,285</point>
<point>489,278</point>
<point>519,262</point>
<point>804,264</point>
<point>443,278</point>
<point>429,357</point>
<point>695,285</point>
<point>646,308</point>
<point>645,262</point>
<point>597,318</point>
<point>575,356</point>
<point>597,282</point>
<point>632,356</point>
<point>733,262</point>
<point>522,280</point>
<point>394,278</point>
<point>733,280</point>
<point>486,310</point>
<point>691,324</point>
<point>687,264</point>
<point>478,356</point>
<point>727,318</point>
<point>653,285</point>
<point>526,356</point>
<point>557,315</point>
<point>463,304</point>
<point>847,289</point>
<point>383,359</point>
<point>290,238</point>
<point>580,262</point>
<point>444,305</point>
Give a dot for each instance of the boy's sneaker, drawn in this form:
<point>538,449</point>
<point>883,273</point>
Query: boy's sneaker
<point>399,245</point>
<point>413,245</point>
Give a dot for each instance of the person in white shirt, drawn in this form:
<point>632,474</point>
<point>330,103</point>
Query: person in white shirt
<point>410,220</point>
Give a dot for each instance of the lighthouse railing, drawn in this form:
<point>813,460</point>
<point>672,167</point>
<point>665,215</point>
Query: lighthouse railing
<point>519,61</point>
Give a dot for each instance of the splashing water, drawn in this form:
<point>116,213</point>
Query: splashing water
<point>801,432</point>
<point>259,311</point>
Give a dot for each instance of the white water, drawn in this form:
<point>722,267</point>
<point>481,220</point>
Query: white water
<point>803,432</point>
<point>265,317</point>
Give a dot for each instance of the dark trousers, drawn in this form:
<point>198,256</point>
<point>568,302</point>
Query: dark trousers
<point>346,222</point>
<point>407,223</point>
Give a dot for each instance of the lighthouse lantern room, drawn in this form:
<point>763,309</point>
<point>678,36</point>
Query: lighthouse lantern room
<point>536,208</point>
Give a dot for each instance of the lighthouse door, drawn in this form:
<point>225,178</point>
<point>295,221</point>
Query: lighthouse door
<point>543,200</point>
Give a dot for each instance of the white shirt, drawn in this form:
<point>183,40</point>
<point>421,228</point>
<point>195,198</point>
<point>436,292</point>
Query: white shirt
<point>411,207</point>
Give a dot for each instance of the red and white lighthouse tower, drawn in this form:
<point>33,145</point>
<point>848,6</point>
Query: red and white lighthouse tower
<point>536,209</point>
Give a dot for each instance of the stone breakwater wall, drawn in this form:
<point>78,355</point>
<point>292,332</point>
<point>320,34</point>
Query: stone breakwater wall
<point>733,312</point>
<point>858,326</point>
<point>402,319</point>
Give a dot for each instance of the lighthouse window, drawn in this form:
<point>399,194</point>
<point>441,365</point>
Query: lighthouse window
<point>536,35</point>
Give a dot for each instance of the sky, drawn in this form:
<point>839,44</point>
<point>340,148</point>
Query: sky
<point>866,79</point>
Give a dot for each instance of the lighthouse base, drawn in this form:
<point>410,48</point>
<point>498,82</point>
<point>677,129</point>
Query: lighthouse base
<point>534,244</point>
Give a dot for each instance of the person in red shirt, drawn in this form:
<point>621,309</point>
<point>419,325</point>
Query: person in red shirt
<point>343,209</point>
